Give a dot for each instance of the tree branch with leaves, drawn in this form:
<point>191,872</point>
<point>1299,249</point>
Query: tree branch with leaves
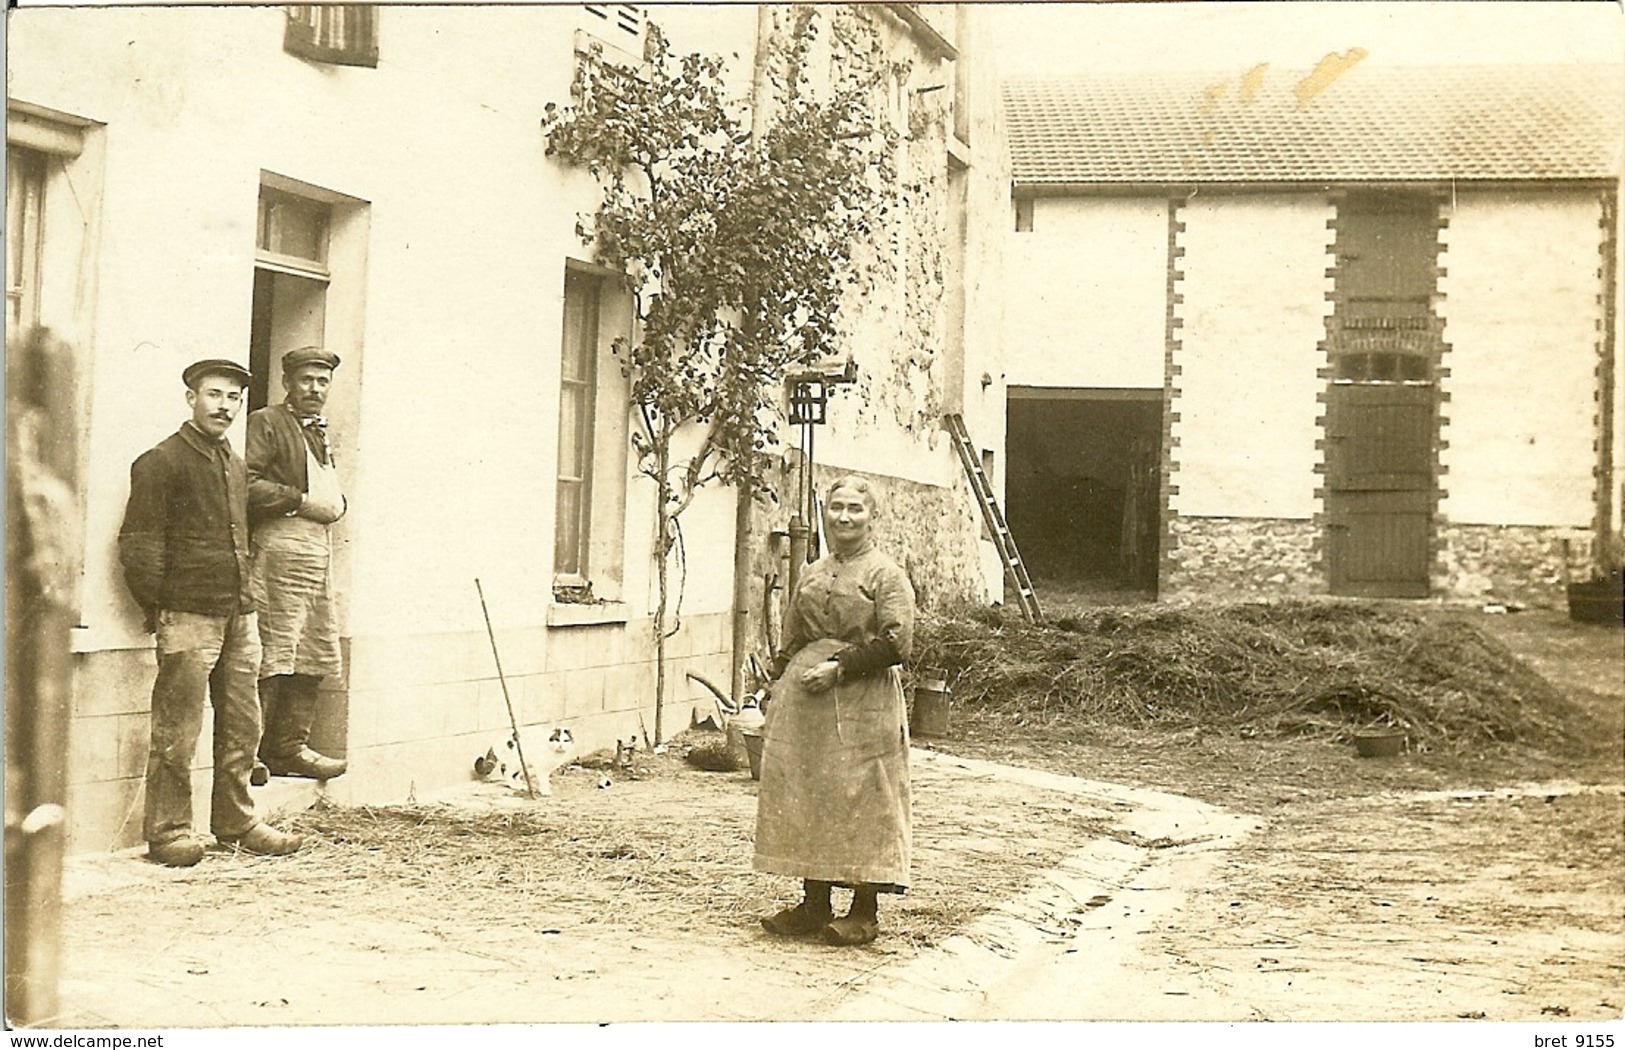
<point>736,247</point>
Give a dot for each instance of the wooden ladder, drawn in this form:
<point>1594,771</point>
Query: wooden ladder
<point>1014,567</point>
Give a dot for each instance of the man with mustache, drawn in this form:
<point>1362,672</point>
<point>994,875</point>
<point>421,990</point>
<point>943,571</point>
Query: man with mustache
<point>293,498</point>
<point>184,548</point>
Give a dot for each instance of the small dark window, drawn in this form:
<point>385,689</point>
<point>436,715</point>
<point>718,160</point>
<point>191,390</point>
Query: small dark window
<point>341,35</point>
<point>1024,215</point>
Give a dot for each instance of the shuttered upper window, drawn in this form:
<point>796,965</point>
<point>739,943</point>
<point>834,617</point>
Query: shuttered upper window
<point>338,34</point>
<point>1387,245</point>
<point>628,20</point>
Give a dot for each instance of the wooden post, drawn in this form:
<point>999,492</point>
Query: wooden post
<point>43,550</point>
<point>741,599</point>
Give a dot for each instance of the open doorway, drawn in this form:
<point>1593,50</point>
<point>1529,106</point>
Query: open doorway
<point>290,307</point>
<point>1083,486</point>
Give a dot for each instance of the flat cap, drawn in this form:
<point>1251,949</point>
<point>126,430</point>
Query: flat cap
<point>309,355</point>
<point>214,366</point>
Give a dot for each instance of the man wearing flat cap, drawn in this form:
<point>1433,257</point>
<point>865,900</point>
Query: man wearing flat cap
<point>294,497</point>
<point>184,547</point>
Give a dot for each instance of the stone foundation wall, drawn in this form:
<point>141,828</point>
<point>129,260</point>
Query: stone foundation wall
<point>1512,563</point>
<point>1242,557</point>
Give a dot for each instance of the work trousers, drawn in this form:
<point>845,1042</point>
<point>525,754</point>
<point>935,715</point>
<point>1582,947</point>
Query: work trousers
<point>198,654</point>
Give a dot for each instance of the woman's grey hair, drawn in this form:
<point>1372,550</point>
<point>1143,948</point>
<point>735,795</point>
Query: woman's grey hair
<point>871,498</point>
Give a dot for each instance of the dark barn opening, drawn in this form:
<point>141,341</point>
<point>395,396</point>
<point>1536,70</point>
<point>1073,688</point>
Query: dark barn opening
<point>1083,485</point>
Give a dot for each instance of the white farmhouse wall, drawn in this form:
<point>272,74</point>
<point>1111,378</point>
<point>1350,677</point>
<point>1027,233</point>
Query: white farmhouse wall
<point>1087,293</point>
<point>197,103</point>
<point>1254,312</point>
<point>445,408</point>
<point>445,405</point>
<point>1521,314</point>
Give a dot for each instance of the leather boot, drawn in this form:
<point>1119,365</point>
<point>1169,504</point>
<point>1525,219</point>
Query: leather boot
<point>270,693</point>
<point>264,841</point>
<point>284,748</point>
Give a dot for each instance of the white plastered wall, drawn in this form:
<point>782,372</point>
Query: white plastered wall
<point>469,228</point>
<point>1521,317</point>
<point>1254,311</point>
<point>450,434</point>
<point>1087,289</point>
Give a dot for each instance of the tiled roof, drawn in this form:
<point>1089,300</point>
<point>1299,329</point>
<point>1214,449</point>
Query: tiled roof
<point>1372,123</point>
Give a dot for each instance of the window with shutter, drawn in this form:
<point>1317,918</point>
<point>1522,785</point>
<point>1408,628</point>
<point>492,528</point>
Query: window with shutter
<point>628,21</point>
<point>338,34</point>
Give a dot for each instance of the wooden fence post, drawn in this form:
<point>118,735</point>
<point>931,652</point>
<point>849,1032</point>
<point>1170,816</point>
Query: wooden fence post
<point>43,550</point>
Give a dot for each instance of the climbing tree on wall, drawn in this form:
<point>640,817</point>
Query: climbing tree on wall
<point>736,243</point>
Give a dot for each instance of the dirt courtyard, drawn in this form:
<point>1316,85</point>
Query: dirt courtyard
<point>1133,876</point>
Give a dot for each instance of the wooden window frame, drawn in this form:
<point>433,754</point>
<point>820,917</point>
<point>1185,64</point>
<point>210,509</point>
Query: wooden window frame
<point>573,569</point>
<point>28,168</point>
<point>265,228</point>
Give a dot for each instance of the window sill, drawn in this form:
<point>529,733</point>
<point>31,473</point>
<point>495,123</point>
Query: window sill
<point>593,614</point>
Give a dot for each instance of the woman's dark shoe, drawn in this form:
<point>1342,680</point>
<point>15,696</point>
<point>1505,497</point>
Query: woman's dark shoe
<point>800,921</point>
<point>850,931</point>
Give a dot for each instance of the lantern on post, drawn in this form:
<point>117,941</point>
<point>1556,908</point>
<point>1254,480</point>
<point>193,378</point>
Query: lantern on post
<point>808,392</point>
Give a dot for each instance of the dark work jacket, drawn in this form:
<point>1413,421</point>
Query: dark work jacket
<point>276,462</point>
<point>184,542</point>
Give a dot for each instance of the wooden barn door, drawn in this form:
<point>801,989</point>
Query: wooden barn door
<point>1382,398</point>
<point>1379,498</point>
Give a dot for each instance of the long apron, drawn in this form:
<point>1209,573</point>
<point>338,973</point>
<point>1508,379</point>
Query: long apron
<point>834,798</point>
<point>292,584</point>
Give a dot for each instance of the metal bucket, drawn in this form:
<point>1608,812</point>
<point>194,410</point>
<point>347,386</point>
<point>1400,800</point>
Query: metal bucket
<point>1379,743</point>
<point>933,706</point>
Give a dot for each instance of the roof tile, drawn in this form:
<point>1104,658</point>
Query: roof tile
<point>1373,123</point>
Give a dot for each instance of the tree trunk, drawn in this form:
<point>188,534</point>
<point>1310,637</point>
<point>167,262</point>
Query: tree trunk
<point>662,552</point>
<point>742,646</point>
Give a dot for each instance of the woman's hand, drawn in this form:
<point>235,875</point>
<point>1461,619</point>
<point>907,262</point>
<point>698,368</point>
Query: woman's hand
<point>820,677</point>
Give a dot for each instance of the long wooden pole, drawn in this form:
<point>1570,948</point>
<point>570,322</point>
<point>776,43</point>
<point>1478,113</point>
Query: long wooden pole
<point>513,723</point>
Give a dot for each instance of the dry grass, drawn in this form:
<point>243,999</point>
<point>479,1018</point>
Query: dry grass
<point>670,849</point>
<point>1319,668</point>
<point>1218,695</point>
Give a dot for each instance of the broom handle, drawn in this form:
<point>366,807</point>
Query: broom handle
<point>513,722</point>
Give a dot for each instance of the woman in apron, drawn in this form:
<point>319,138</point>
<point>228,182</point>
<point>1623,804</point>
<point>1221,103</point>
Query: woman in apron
<point>833,808</point>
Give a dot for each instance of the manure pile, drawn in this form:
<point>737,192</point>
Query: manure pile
<point>1288,667</point>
